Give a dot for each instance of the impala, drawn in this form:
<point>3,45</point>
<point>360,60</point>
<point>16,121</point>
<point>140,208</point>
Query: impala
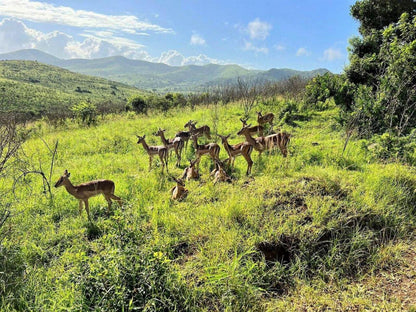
<point>255,129</point>
<point>190,172</point>
<point>86,190</point>
<point>176,144</point>
<point>243,148</point>
<point>179,192</point>
<point>258,144</point>
<point>204,130</point>
<point>155,150</point>
<point>211,149</point>
<point>184,136</point>
<point>280,139</point>
<point>263,119</point>
<point>219,173</point>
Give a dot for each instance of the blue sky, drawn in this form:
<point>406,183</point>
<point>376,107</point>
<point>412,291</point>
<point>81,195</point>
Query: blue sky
<point>260,34</point>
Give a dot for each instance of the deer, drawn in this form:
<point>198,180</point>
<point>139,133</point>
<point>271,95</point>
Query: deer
<point>259,144</point>
<point>243,148</point>
<point>255,129</point>
<point>176,144</point>
<point>204,130</point>
<point>155,150</point>
<point>190,172</point>
<point>219,173</point>
<point>179,192</point>
<point>211,149</point>
<point>264,119</point>
<point>84,191</point>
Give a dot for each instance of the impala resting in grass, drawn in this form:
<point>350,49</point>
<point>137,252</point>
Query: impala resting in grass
<point>155,150</point>
<point>86,190</point>
<point>204,130</point>
<point>219,173</point>
<point>190,172</point>
<point>211,149</point>
<point>255,129</point>
<point>176,144</point>
<point>263,119</point>
<point>179,192</point>
<point>243,148</point>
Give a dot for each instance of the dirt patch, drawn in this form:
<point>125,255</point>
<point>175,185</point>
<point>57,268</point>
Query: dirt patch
<point>283,251</point>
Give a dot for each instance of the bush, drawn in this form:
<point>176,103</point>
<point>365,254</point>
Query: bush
<point>86,112</point>
<point>138,104</point>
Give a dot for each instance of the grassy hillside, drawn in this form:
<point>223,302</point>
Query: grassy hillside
<point>312,231</point>
<point>27,86</point>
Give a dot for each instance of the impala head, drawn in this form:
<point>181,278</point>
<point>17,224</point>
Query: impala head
<point>179,181</point>
<point>140,138</point>
<point>62,179</point>
<point>243,130</point>
<point>224,138</point>
<point>189,123</point>
<point>159,132</point>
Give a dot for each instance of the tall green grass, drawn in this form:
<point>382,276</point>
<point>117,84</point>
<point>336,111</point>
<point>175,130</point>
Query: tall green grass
<point>299,225</point>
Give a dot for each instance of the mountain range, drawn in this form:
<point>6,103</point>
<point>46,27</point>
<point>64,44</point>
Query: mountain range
<point>158,76</point>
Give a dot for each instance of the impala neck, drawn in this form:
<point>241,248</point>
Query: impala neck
<point>146,147</point>
<point>71,189</point>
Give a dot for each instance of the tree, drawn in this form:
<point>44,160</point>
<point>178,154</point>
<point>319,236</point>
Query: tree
<point>139,104</point>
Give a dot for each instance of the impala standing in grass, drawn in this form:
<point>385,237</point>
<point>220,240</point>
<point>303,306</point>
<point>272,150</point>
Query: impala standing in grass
<point>86,190</point>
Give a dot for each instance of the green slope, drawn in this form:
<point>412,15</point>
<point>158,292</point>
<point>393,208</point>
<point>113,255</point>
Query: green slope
<point>29,86</point>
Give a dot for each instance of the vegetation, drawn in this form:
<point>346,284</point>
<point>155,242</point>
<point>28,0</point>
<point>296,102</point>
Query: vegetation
<point>329,227</point>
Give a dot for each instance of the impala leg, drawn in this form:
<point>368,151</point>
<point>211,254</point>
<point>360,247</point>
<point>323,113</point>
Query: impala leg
<point>80,206</point>
<point>108,199</point>
<point>87,208</point>
<point>150,162</point>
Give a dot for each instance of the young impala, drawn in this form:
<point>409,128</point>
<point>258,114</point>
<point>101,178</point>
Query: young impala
<point>179,192</point>
<point>86,190</point>
<point>204,130</point>
<point>190,172</point>
<point>176,144</point>
<point>155,150</point>
<point>259,130</point>
<point>263,119</point>
<point>211,149</point>
<point>243,148</point>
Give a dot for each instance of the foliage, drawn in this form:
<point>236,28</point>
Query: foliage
<point>85,112</point>
<point>139,104</point>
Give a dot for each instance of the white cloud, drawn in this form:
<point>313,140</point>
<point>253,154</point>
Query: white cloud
<point>15,35</point>
<point>43,12</point>
<point>174,58</point>
<point>197,40</point>
<point>332,55</point>
<point>302,52</point>
<point>258,29</point>
<point>248,46</point>
<point>279,47</point>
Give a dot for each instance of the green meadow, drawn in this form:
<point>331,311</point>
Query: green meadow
<point>308,232</point>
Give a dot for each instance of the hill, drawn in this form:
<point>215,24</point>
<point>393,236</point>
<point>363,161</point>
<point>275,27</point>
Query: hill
<point>147,75</point>
<point>36,88</point>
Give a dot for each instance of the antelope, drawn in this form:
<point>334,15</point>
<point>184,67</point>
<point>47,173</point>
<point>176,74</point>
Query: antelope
<point>204,130</point>
<point>281,140</point>
<point>176,144</point>
<point>86,190</point>
<point>243,148</point>
<point>219,173</point>
<point>255,129</point>
<point>155,150</point>
<point>268,118</point>
<point>190,172</point>
<point>184,136</point>
<point>211,149</point>
<point>258,144</point>
<point>179,192</point>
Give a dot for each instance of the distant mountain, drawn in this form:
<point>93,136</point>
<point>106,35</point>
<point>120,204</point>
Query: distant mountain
<point>147,75</point>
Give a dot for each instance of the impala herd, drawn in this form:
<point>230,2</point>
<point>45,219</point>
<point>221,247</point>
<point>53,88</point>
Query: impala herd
<point>260,143</point>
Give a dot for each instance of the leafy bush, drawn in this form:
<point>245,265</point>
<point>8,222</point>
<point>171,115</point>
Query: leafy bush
<point>85,112</point>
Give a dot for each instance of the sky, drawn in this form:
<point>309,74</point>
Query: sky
<point>255,34</point>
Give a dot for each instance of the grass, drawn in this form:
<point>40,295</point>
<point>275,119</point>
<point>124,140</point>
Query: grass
<point>302,232</point>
